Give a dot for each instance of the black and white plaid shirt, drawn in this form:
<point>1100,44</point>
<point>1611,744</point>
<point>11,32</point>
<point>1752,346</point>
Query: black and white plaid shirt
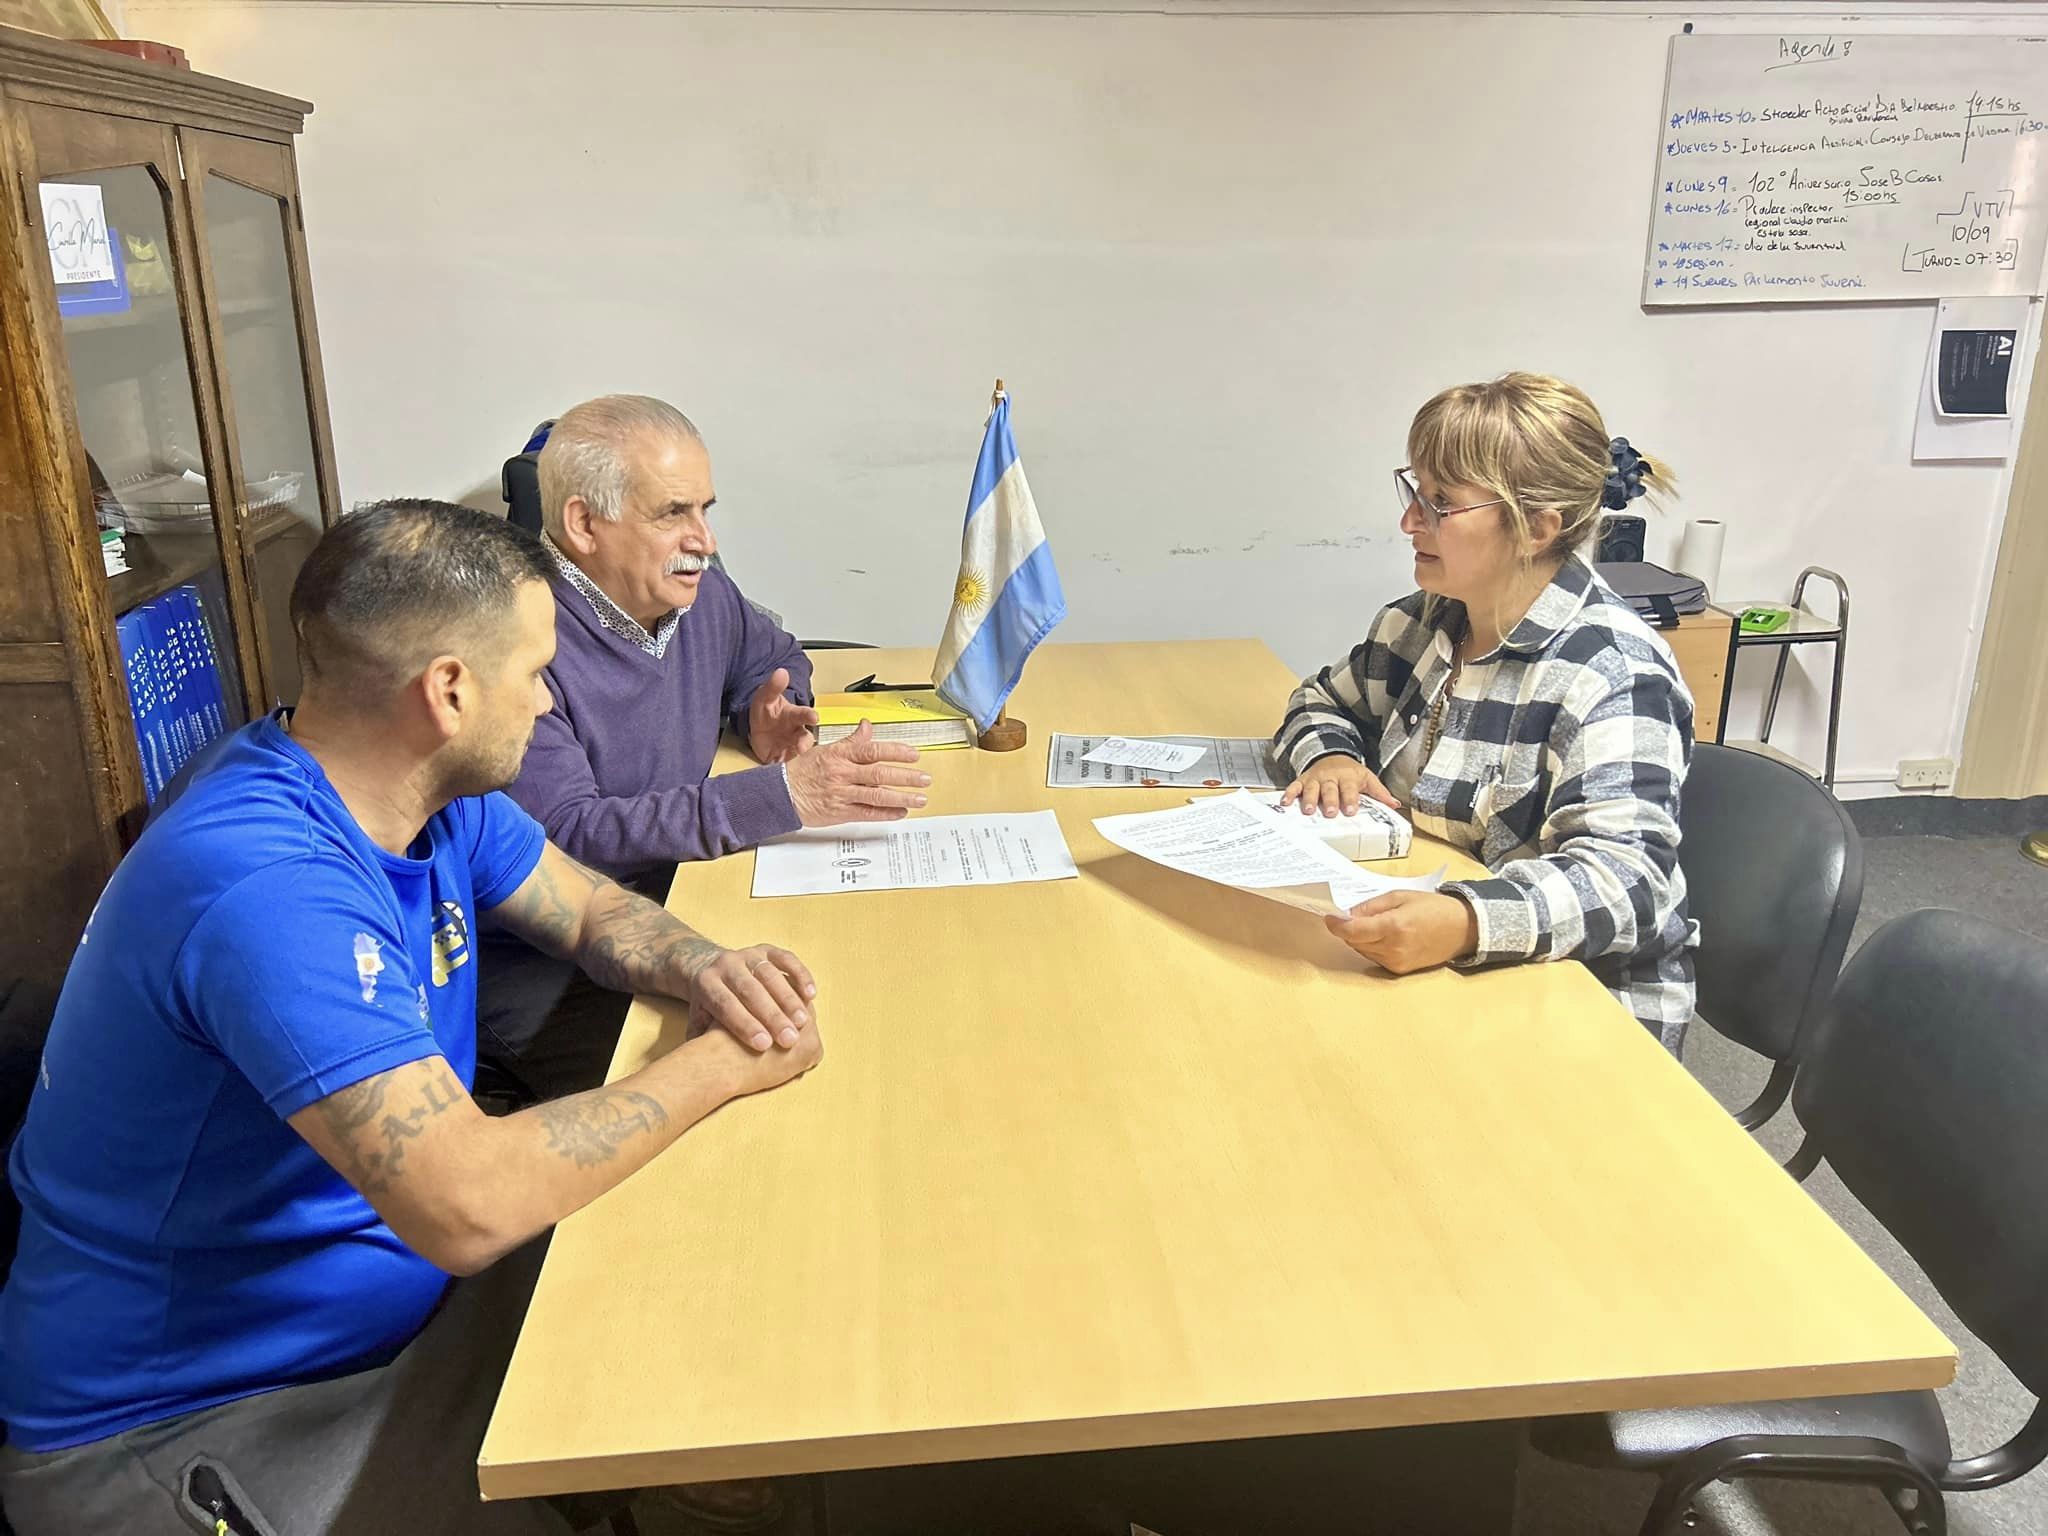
<point>1559,766</point>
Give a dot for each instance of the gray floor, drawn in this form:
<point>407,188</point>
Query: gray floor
<point>1981,875</point>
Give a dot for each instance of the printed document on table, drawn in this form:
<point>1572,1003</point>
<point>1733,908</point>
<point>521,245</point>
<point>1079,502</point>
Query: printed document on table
<point>1138,752</point>
<point>1233,840</point>
<point>923,854</point>
<point>1226,761</point>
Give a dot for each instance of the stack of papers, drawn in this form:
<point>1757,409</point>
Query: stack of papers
<point>1373,831</point>
<point>919,718</point>
<point>1233,840</point>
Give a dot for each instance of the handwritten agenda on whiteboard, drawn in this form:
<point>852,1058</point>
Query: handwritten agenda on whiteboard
<point>1810,168</point>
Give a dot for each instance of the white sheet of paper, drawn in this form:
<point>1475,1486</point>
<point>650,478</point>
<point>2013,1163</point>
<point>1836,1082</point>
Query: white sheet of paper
<point>1136,752</point>
<point>1224,761</point>
<point>75,220</point>
<point>921,854</point>
<point>1233,840</point>
<point>1938,437</point>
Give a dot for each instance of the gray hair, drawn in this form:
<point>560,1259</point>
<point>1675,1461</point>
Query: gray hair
<point>586,453</point>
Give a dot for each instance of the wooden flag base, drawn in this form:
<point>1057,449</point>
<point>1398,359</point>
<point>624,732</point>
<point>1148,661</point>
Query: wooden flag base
<point>1006,735</point>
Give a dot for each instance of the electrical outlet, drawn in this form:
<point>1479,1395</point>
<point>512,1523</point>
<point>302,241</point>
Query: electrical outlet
<point>1926,772</point>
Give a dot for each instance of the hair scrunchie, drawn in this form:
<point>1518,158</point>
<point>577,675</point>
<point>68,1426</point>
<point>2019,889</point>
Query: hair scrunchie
<point>1624,482</point>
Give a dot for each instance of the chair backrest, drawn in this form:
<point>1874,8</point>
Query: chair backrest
<point>1774,876</point>
<point>520,482</point>
<point>1925,1086</point>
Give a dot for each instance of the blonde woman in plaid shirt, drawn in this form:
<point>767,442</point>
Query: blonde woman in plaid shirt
<point>1517,708</point>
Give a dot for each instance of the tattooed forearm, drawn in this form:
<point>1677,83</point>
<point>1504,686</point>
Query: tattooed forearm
<point>547,911</point>
<point>632,945</point>
<point>374,1148</point>
<point>589,1127</point>
<point>622,941</point>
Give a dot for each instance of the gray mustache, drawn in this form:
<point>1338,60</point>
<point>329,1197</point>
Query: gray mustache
<point>685,564</point>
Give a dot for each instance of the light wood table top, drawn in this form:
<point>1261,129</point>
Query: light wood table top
<point>1133,1159</point>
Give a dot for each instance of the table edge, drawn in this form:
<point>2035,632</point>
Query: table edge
<point>973,1442</point>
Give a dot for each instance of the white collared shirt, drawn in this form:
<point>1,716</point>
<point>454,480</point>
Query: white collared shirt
<point>610,614</point>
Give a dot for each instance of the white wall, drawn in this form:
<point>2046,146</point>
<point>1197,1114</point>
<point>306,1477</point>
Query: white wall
<point>1219,259</point>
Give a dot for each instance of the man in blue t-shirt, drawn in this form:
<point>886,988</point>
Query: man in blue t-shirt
<point>251,1160</point>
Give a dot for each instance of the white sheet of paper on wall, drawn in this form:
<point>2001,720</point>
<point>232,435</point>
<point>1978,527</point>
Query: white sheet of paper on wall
<point>1939,436</point>
<point>75,224</point>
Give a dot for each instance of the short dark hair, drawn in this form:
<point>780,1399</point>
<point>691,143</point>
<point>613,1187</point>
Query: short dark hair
<point>396,583</point>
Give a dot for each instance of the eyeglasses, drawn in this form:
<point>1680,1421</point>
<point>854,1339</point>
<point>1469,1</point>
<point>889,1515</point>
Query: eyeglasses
<point>1409,494</point>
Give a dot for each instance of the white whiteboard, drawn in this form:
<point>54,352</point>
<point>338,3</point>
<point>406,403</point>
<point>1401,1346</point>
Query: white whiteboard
<point>1803,168</point>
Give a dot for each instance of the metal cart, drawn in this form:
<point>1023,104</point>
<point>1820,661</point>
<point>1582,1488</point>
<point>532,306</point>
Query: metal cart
<point>1805,628</point>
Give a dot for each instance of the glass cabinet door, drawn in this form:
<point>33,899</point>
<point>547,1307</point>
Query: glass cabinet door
<point>125,299</point>
<point>243,198</point>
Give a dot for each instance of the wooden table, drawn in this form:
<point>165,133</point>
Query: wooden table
<point>1131,1160</point>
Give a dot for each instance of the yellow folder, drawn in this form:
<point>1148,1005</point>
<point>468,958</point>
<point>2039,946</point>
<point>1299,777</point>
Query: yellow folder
<point>921,719</point>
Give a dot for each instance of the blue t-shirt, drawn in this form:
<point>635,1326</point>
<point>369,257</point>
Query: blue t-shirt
<point>255,952</point>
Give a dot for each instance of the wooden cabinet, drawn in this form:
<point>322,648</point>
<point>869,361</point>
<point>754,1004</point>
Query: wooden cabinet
<point>178,402</point>
<point>1704,646</point>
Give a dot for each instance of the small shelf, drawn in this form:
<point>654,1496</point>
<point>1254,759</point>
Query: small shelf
<point>159,309</point>
<point>161,561</point>
<point>1802,629</point>
<point>273,522</point>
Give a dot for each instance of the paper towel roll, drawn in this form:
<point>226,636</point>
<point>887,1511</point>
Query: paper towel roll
<point>1699,550</point>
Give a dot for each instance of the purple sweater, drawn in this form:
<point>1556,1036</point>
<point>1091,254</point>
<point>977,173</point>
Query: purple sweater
<point>617,769</point>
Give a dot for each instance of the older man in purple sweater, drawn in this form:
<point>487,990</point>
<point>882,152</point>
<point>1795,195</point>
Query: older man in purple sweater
<point>656,653</point>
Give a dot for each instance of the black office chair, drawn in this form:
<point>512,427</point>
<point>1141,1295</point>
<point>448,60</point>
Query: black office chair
<point>519,483</point>
<point>1925,1085</point>
<point>1774,875</point>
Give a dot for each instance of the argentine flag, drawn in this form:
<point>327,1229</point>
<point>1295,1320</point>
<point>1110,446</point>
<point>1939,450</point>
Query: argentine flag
<point>1008,596</point>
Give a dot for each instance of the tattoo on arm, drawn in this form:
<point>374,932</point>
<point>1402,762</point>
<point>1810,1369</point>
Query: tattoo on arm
<point>589,1127</point>
<point>545,913</point>
<point>356,1105</point>
<point>635,946</point>
<point>622,941</point>
<point>373,1149</point>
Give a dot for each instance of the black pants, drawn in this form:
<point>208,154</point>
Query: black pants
<point>543,1028</point>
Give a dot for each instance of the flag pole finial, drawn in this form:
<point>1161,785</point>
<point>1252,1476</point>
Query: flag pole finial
<point>996,399</point>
